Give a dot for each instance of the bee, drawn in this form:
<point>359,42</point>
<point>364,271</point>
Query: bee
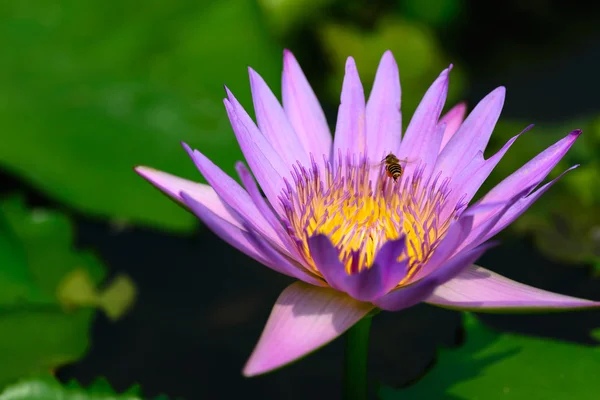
<point>393,168</point>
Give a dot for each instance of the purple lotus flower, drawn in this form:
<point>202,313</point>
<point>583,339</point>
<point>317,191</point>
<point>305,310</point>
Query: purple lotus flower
<point>355,238</point>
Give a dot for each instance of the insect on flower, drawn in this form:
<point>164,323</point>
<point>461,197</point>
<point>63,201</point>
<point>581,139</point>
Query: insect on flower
<point>393,168</point>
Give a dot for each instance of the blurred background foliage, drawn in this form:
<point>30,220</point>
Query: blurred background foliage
<point>49,292</point>
<point>90,89</point>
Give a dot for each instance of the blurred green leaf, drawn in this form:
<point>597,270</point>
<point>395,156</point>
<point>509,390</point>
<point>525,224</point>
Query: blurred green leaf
<point>415,48</point>
<point>15,269</point>
<point>286,15</point>
<point>50,389</point>
<point>36,340</point>
<point>90,89</point>
<point>47,238</point>
<point>48,292</point>
<point>492,365</point>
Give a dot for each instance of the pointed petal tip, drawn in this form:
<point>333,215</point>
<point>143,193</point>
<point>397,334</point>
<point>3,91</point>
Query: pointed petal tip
<point>191,153</point>
<point>229,93</point>
<point>257,83</point>
<point>148,173</point>
<point>239,165</point>
<point>445,75</point>
<point>289,61</point>
<point>242,170</point>
<point>575,134</point>
<point>461,108</point>
<point>350,64</point>
<point>253,74</point>
<point>143,170</point>
<point>248,371</point>
<point>186,146</point>
<point>388,56</point>
<point>528,128</point>
<point>498,94</point>
<point>254,367</point>
<point>563,173</point>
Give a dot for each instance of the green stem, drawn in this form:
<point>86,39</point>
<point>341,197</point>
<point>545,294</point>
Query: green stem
<point>355,360</point>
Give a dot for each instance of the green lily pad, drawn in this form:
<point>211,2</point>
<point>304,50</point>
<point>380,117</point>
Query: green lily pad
<point>91,89</point>
<point>493,365</point>
<point>47,388</point>
<point>45,314</point>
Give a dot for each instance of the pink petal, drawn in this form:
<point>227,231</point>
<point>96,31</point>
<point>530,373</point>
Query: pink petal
<point>453,242</point>
<point>303,109</point>
<point>514,212</point>
<point>282,264</point>
<point>472,136</point>
<point>224,229</point>
<point>303,319</point>
<point>327,261</point>
<point>464,186</point>
<point>453,119</point>
<point>417,292</point>
<point>384,119</point>
<point>266,211</point>
<point>533,172</point>
<point>267,166</point>
<point>457,232</point>
<point>482,224</point>
<point>368,284</point>
<point>350,128</point>
<point>172,185</point>
<point>274,124</point>
<point>423,136</point>
<point>481,290</point>
<point>234,196</point>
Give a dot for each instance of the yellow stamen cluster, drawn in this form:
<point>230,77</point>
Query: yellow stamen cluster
<point>360,209</point>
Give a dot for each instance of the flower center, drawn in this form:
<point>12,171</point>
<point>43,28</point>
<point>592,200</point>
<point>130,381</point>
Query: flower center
<point>360,208</point>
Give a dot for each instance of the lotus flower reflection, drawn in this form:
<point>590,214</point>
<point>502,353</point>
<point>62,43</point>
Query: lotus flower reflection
<point>353,237</point>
